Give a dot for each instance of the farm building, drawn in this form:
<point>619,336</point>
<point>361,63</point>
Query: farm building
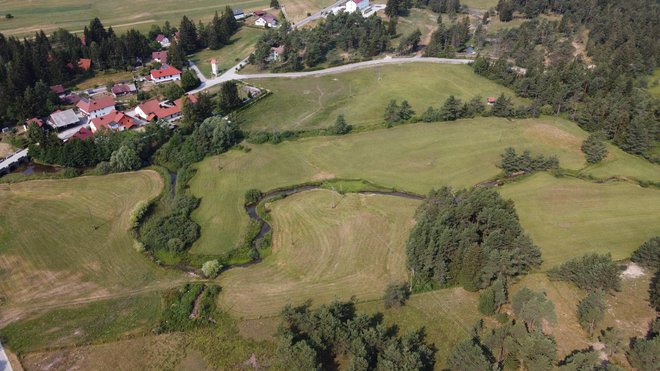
<point>165,74</point>
<point>155,110</point>
<point>96,108</point>
<point>239,14</point>
<point>266,20</point>
<point>59,120</point>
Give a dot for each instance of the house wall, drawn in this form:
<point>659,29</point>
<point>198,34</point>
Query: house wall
<point>260,22</point>
<point>165,79</point>
<point>140,113</point>
<point>99,113</point>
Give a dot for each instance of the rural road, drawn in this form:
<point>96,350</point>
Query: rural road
<point>231,74</point>
<point>4,361</point>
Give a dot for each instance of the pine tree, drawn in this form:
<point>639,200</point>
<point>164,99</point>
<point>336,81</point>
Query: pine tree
<point>467,356</point>
<point>392,113</point>
<point>593,148</point>
<point>188,35</point>
<point>591,310</point>
<point>176,56</point>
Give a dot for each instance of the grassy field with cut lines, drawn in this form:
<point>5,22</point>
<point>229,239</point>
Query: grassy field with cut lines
<point>414,158</point>
<point>242,44</point>
<point>51,254</point>
<point>325,246</point>
<point>48,15</point>
<point>362,95</point>
<point>571,217</point>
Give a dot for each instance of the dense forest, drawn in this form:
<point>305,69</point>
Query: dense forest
<point>469,238</point>
<point>602,88</point>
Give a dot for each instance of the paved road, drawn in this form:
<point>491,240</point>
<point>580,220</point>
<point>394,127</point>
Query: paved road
<point>4,361</point>
<point>199,73</point>
<point>231,74</point>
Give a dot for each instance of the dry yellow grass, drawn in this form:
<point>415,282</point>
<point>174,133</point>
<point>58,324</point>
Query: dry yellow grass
<point>6,149</point>
<point>50,255</point>
<point>325,246</point>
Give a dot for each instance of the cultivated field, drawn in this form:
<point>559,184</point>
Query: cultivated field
<point>31,16</point>
<point>50,253</point>
<point>325,245</point>
<point>242,44</point>
<point>362,95</point>
<point>572,217</point>
<point>414,158</point>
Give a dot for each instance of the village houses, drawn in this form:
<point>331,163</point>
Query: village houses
<point>96,108</point>
<point>165,74</point>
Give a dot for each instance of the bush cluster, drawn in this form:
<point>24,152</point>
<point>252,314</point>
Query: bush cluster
<point>513,163</point>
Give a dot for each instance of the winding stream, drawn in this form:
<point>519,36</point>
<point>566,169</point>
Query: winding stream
<point>251,209</point>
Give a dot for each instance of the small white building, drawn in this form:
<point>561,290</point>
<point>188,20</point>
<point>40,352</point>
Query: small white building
<point>266,20</point>
<point>163,40</point>
<point>165,74</point>
<point>356,5</point>
<point>96,108</point>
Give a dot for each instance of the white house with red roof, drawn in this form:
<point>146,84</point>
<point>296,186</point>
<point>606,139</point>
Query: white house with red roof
<point>165,74</point>
<point>155,110</point>
<point>96,108</point>
<point>266,20</point>
<point>115,121</point>
<point>163,40</point>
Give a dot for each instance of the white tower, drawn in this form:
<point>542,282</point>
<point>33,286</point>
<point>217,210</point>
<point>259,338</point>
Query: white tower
<point>214,66</point>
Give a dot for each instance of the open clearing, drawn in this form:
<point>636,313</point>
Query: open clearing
<point>325,246</point>
<point>242,44</point>
<point>31,16</point>
<point>50,254</point>
<point>570,217</point>
<point>362,95</point>
<point>413,158</point>
<point>296,10</point>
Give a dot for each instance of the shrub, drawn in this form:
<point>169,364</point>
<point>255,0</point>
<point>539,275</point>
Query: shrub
<point>139,211</point>
<point>138,246</point>
<point>71,172</point>
<point>396,294</point>
<point>211,268</point>
<point>511,162</point>
<point>593,148</point>
<point>252,196</point>
<point>590,272</point>
<point>189,80</point>
<point>340,127</point>
<point>103,168</point>
<point>648,254</point>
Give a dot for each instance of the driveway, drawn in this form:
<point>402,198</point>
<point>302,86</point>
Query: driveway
<point>4,361</point>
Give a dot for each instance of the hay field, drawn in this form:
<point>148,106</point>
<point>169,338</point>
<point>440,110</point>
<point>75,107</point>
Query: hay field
<point>414,158</point>
<point>242,44</point>
<point>325,246</point>
<point>49,15</point>
<point>362,95</point>
<point>50,254</point>
<point>568,217</point>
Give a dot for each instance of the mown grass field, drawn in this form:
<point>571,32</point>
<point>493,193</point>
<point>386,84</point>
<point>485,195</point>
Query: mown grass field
<point>326,246</point>
<point>101,79</point>
<point>50,253</point>
<point>296,10</point>
<point>480,4</point>
<point>242,44</point>
<point>414,158</point>
<point>362,95</point>
<point>34,15</point>
<point>571,217</point>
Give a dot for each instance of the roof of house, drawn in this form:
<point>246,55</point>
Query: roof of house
<point>278,50</point>
<point>165,72</point>
<point>491,99</point>
<point>34,120</point>
<point>82,134</point>
<point>123,88</point>
<point>259,13</point>
<point>161,56</point>
<point>71,99</point>
<point>111,119</point>
<point>214,61</point>
<point>85,63</point>
<point>269,18</point>
<point>57,89</point>
<point>60,119</point>
<point>161,37</point>
<point>153,108</point>
<point>95,105</point>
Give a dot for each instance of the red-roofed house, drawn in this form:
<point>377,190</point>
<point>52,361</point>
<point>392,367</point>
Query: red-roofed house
<point>85,64</point>
<point>59,90</point>
<point>165,74</point>
<point>492,100</point>
<point>153,109</point>
<point>163,40</point>
<point>96,108</point>
<point>33,120</point>
<point>81,134</point>
<point>115,121</point>
<point>160,57</point>
<point>123,89</point>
